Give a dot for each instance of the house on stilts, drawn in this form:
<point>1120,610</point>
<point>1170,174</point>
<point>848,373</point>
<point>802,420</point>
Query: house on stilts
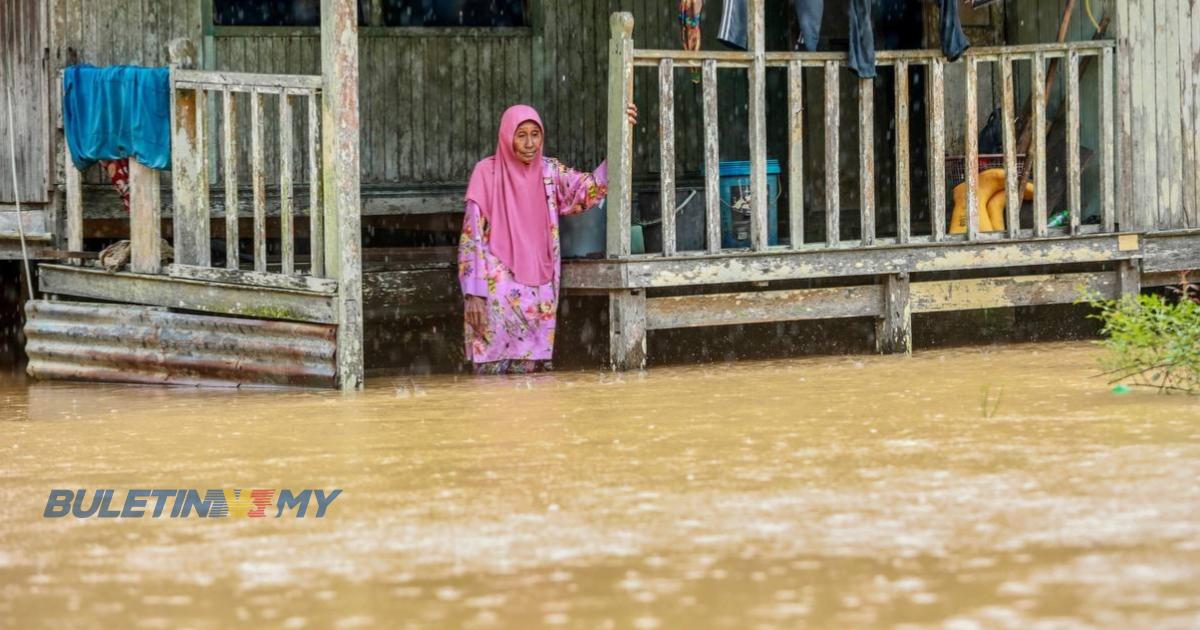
<point>319,165</point>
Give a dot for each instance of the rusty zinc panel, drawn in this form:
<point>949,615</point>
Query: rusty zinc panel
<point>23,70</point>
<point>140,344</point>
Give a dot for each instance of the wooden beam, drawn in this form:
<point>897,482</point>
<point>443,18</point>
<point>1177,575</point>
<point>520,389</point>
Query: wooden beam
<point>649,272</point>
<point>145,224</point>
<point>796,153</point>
<point>1011,173</point>
<point>755,307</point>
<point>1033,290</point>
<point>666,136</point>
<point>903,198</point>
<point>287,234</point>
<point>937,147</point>
<point>866,158</point>
<point>230,159</point>
<point>189,178</point>
<point>759,230</point>
<point>326,286</point>
<point>1108,165</point>
<point>74,194</point>
<point>893,328</point>
<point>832,182</point>
<point>971,141</point>
<point>627,330</point>
<point>340,155</point>
<point>1074,170</point>
<point>192,295</point>
<point>620,135</point>
<point>1039,145</point>
<point>316,215</point>
<point>258,180</point>
<point>1129,277</point>
<point>712,160</point>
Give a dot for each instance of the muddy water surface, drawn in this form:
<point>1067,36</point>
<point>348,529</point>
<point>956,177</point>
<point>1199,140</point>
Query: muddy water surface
<point>819,492</point>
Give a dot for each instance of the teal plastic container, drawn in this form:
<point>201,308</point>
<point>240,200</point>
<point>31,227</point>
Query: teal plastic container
<point>735,204</point>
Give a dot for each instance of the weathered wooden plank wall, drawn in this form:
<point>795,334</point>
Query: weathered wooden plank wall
<point>22,36</point>
<point>1158,84</point>
<point>105,32</point>
<point>1030,22</point>
<point>429,104</point>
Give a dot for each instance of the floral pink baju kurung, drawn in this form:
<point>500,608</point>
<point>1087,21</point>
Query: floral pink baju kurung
<point>521,318</point>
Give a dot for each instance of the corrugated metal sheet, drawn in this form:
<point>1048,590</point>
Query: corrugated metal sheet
<point>22,51</point>
<point>140,344</point>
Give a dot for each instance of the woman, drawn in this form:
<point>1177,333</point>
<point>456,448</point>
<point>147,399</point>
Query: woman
<point>508,255</point>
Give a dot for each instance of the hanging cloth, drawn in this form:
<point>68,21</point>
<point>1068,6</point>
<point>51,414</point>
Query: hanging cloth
<point>954,40</point>
<point>117,112</point>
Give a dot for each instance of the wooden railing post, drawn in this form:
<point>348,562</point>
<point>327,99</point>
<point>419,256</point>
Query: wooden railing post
<point>340,155</point>
<point>666,132</point>
<point>903,198</point>
<point>1108,166</point>
<point>74,205</point>
<point>230,157</point>
<point>620,135</point>
<point>189,165</point>
<point>1039,144</point>
<point>1012,196</point>
<point>971,141</point>
<point>145,219</point>
<point>712,159</point>
<point>796,153</point>
<point>937,146</point>
<point>832,176</point>
<point>866,158</point>
<point>759,230</point>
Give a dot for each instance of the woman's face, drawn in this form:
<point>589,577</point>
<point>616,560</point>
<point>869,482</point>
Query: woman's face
<point>527,141</point>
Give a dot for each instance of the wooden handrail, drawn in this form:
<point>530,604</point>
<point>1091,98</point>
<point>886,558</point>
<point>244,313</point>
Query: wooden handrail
<point>624,57</point>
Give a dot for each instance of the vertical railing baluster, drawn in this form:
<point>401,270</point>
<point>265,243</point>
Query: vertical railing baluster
<point>286,230</point>
<point>74,194</point>
<point>759,229</point>
<point>316,216</point>
<point>258,180</point>
<point>796,153</point>
<point>203,212</point>
<point>1011,172</point>
<point>620,136</point>
<point>832,181</point>
<point>866,158</point>
<point>1108,166</point>
<point>971,140</point>
<point>903,197</point>
<point>1039,144</point>
<point>1073,163</point>
<point>712,159</point>
<point>230,159</point>
<point>666,129</point>
<point>937,146</point>
<point>145,223</point>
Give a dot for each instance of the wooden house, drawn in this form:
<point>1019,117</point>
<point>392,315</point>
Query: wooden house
<point>345,146</point>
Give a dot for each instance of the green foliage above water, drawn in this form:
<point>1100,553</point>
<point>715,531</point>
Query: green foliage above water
<point>1152,341</point>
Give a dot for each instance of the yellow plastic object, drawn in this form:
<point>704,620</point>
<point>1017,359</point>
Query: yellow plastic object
<point>991,202</point>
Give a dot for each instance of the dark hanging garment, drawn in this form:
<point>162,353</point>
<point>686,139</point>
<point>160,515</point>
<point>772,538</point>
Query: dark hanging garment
<point>954,41</point>
<point>808,17</point>
<point>734,24</point>
<point>862,38</point>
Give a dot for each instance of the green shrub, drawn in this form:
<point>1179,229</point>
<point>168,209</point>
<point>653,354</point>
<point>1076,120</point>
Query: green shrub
<point>1152,341</point>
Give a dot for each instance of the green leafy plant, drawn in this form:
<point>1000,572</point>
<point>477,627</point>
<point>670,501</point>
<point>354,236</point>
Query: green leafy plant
<point>1152,341</point>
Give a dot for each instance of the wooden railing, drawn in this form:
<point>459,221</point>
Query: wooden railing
<point>191,138</point>
<point>623,58</point>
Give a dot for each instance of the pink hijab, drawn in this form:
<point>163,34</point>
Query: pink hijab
<point>512,197</point>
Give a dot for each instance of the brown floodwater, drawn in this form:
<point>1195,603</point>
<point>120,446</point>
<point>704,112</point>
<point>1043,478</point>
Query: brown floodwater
<point>815,492</point>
